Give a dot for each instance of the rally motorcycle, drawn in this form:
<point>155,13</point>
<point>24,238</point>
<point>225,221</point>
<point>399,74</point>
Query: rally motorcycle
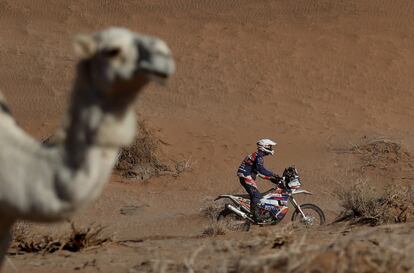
<point>274,204</point>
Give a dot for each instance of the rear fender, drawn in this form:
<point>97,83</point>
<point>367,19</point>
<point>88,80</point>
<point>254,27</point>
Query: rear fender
<point>235,199</point>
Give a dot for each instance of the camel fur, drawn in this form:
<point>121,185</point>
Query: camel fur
<point>45,183</point>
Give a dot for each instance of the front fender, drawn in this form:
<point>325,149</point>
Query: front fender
<point>301,191</point>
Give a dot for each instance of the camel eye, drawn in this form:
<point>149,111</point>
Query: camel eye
<point>111,52</point>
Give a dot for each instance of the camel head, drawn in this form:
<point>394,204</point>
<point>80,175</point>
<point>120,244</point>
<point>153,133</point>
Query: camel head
<point>117,60</point>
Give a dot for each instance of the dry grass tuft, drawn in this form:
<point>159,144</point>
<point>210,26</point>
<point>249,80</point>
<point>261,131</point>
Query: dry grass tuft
<point>230,255</point>
<point>382,249</point>
<point>381,157</point>
<point>212,208</point>
<point>80,238</point>
<point>384,157</point>
<point>140,160</point>
<point>214,228</point>
<point>381,153</point>
<point>363,205</point>
<point>220,220</point>
<point>211,211</point>
<point>366,252</point>
<point>183,166</point>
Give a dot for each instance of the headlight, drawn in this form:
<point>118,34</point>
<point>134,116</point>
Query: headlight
<point>295,183</point>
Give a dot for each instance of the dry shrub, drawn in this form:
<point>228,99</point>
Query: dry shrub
<point>284,260</point>
<point>212,208</point>
<point>360,203</point>
<point>214,228</point>
<point>275,237</point>
<point>80,238</point>
<point>365,252</point>
<point>379,250</point>
<point>219,226</point>
<point>211,211</point>
<point>344,256</point>
<point>380,157</point>
<point>363,205</point>
<point>282,250</point>
<point>381,152</point>
<point>90,236</point>
<point>182,166</point>
<point>21,229</point>
<point>351,255</point>
<point>228,255</point>
<point>140,161</point>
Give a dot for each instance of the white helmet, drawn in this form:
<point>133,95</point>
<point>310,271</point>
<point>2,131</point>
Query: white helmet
<point>266,145</point>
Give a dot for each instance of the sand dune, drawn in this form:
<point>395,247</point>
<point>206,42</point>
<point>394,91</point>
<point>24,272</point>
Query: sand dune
<point>317,76</point>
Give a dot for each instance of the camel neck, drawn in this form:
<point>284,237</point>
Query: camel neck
<point>84,118</point>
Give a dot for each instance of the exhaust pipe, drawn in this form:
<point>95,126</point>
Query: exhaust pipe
<point>238,212</point>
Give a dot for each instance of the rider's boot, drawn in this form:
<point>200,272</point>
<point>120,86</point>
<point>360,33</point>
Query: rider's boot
<point>256,215</point>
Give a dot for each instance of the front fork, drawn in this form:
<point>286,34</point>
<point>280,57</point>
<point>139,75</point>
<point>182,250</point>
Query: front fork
<point>297,206</point>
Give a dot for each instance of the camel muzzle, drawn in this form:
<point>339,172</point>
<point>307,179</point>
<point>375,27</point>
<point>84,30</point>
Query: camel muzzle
<point>155,58</point>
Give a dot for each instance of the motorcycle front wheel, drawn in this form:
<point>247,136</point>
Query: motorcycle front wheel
<point>314,215</point>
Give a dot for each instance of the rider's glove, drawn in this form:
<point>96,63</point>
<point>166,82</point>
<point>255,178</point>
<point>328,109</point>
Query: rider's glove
<point>275,179</point>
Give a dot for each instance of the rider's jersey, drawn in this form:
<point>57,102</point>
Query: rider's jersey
<point>252,166</point>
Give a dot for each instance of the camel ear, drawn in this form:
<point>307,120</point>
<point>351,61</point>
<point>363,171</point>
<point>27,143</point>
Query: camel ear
<point>85,46</point>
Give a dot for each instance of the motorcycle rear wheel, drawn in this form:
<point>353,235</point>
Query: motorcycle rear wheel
<point>232,221</point>
<point>314,215</point>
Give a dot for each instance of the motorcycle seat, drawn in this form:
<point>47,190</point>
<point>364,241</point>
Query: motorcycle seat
<point>248,197</point>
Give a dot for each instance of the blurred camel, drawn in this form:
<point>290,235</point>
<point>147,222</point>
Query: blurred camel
<point>50,182</point>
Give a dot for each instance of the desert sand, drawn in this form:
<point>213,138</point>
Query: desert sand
<point>319,77</point>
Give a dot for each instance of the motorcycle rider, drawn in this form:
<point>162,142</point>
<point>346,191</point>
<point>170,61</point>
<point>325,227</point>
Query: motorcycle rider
<point>252,166</point>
